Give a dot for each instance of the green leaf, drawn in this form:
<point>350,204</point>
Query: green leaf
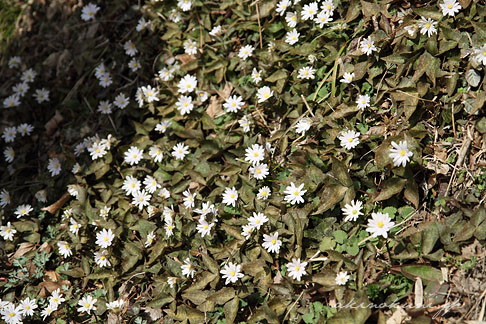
<point>390,188</point>
<point>330,196</point>
<point>425,272</point>
<point>231,310</point>
<point>429,237</point>
<point>327,243</point>
<point>222,296</point>
<point>340,171</point>
<point>340,236</point>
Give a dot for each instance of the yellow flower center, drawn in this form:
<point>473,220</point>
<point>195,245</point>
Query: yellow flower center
<point>297,268</point>
<point>12,314</point>
<point>106,239</point>
<point>206,226</point>
<point>134,156</point>
<point>296,193</point>
<point>380,224</point>
<point>274,241</point>
<point>8,230</point>
<point>232,195</point>
<point>170,227</point>
<point>232,273</point>
<point>350,139</point>
<point>449,6</point>
<point>258,171</point>
<point>87,305</point>
<point>188,86</point>
<point>266,95</point>
<point>257,221</point>
<point>354,211</point>
<point>427,25</point>
<point>23,211</point>
<point>403,153</point>
<point>264,193</point>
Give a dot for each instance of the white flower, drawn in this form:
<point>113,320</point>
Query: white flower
<point>11,101</point>
<point>188,269</point>
<point>180,151</point>
<point>97,150</point>
<point>87,304</point>
<point>282,6</point>
<point>215,31</point>
<point>352,211</point>
<point>74,227</point>
<point>162,126</point>
<point>175,16</point>
<point>156,154</point>
<point>342,278</point>
<point>116,304</point>
<point>291,19</point>
<point>306,72</point>
<point>54,167</point>
<point>104,238</point>
<point>171,281</point>
<point>4,198</point>
<point>169,228</point>
<point>41,95</point>
<point>14,62</point>
<point>427,26</point>
<point>7,232</point>
<point>480,54</point>
<point>189,199</point>
<point>257,220</point>
<point>204,228</point>
<point>164,193</point>
<point>150,93</point>
<point>233,104</point>
<point>134,64</point>
<point>256,76</point>
<point>150,239</point>
<point>363,101</point>
<point>206,208</point>
<point>450,7</point>
<point>105,80</point>
<point>28,75</point>
<point>309,11</point>
<point>25,129</point>
<point>294,194</point>
<point>9,154</point>
<point>187,84</point>
<point>264,193</point>
<point>20,89</point>
<point>347,77</point>
<point>322,18</point>
<point>141,199</point>
<point>142,24</point>
<point>264,93</point>
<point>133,155</point>
<point>245,52</point>
<point>379,224</point>
<point>292,37</point>
<point>231,272</point>
<point>64,249</point>
<point>23,210</point>
<point>121,101</point>
<point>27,306</point>
<point>89,11</point>
<point>101,259</point>
<point>165,74</point>
<point>202,95</point>
<point>139,97</point>
<point>349,139</point>
<point>9,134</point>
<point>130,48</point>
<point>400,153</point>
<point>131,185</point>
<point>11,314</point>
<point>190,47</point>
<point>104,107</point>
<point>48,310</point>
<point>76,168</point>
<point>247,230</point>
<point>185,5</point>
<point>184,104</point>
<point>56,297</point>
<point>367,46</point>
<point>259,171</point>
<point>105,211</point>
<point>296,269</point>
<point>245,124</point>
<point>271,242</point>
<point>303,125</point>
<point>328,6</point>
<point>230,196</point>
<point>254,154</point>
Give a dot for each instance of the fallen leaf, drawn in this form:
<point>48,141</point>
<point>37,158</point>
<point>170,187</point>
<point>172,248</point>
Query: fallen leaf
<point>52,209</point>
